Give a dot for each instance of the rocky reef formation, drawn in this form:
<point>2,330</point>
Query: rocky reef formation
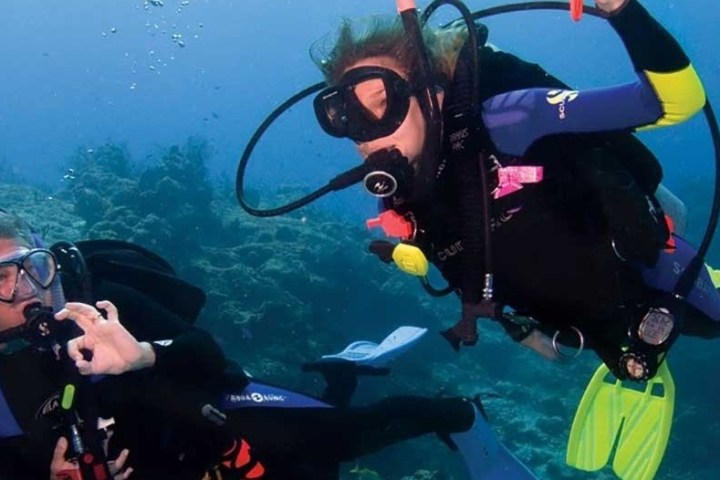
<point>285,290</point>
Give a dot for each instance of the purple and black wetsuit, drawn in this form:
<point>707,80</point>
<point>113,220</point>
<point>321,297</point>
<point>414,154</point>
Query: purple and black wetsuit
<point>567,247</point>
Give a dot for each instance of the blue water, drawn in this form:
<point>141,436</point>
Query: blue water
<point>68,80</point>
<point>78,73</point>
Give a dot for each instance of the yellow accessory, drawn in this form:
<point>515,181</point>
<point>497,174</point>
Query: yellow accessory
<point>68,397</point>
<point>410,259</point>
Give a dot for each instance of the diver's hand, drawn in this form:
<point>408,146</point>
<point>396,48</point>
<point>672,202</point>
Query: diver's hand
<point>114,350</point>
<point>610,6</point>
<point>62,469</point>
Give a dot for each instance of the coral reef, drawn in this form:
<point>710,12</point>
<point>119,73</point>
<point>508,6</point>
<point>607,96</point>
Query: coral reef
<point>285,290</point>
<point>165,204</point>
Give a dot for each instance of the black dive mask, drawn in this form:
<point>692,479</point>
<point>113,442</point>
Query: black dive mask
<point>20,276</point>
<point>369,103</point>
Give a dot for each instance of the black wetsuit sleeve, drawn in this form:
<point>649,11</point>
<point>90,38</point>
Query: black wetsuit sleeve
<point>183,352</point>
<point>658,57</point>
<point>650,46</point>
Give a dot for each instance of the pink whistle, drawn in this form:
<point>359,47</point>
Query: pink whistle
<point>511,179</point>
<point>522,174</point>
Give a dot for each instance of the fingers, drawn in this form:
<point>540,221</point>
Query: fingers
<point>84,367</point>
<point>112,311</point>
<point>83,314</point>
<point>124,475</point>
<point>74,351</point>
<point>117,465</point>
<point>75,345</point>
<point>61,469</point>
<point>67,474</point>
<point>59,453</point>
<point>80,309</point>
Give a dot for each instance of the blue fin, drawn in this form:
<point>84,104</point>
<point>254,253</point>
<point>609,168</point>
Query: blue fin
<point>485,457</point>
<point>374,355</point>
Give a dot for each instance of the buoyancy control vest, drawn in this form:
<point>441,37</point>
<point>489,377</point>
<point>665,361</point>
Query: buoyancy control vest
<point>593,213</point>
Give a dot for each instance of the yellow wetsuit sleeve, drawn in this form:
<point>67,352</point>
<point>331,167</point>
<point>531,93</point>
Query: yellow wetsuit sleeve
<point>658,56</point>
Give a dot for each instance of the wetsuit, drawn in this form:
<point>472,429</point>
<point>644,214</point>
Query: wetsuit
<point>157,412</point>
<point>31,380</point>
<point>567,247</point>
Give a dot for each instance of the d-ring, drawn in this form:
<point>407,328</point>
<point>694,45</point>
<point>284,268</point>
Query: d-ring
<point>577,352</point>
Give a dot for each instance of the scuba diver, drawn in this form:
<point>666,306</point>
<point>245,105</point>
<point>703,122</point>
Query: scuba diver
<point>534,200</point>
<point>157,394</point>
<point>538,206</point>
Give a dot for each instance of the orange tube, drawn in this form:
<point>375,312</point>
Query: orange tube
<point>576,9</point>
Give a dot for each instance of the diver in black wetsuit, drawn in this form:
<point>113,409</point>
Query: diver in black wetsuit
<point>581,249</point>
<point>162,382</point>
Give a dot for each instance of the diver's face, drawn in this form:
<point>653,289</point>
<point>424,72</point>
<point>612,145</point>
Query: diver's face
<point>409,138</point>
<point>11,314</point>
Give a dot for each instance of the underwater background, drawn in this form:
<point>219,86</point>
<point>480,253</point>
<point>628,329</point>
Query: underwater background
<point>126,119</point>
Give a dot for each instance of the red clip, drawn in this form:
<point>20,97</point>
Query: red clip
<point>393,224</point>
<point>576,9</point>
<point>670,243</point>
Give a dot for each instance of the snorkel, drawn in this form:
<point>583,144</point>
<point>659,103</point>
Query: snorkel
<point>427,168</point>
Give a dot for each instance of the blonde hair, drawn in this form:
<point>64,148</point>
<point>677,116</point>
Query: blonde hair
<point>384,36</point>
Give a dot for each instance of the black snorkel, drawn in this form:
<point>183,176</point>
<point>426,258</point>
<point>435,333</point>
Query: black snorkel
<point>427,169</point>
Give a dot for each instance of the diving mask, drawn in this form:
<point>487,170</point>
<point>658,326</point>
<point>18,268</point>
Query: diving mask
<point>20,276</point>
<point>369,103</point>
